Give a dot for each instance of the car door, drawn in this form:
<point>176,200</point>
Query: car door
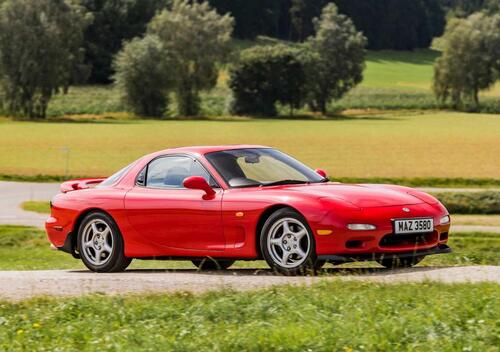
<point>165,213</point>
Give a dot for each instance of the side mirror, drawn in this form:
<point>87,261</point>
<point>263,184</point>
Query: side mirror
<point>198,182</point>
<point>321,172</point>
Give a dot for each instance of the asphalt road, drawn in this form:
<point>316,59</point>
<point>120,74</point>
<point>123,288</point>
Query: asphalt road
<point>12,194</point>
<point>20,285</point>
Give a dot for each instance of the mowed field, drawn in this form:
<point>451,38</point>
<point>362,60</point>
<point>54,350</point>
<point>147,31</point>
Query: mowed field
<point>395,144</point>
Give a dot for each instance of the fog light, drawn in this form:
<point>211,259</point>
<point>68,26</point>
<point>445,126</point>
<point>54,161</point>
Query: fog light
<point>361,227</point>
<point>445,220</point>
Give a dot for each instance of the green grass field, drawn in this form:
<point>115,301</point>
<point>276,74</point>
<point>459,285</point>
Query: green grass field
<point>333,316</point>
<point>396,144</point>
<point>25,248</point>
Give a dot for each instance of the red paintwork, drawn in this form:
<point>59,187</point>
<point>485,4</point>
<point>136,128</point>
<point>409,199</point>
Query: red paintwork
<point>197,222</point>
<point>198,182</point>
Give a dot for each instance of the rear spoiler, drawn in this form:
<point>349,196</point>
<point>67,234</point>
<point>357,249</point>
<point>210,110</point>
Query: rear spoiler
<point>80,183</point>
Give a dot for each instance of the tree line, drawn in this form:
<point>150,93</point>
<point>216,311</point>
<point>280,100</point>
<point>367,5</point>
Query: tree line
<point>179,51</point>
<point>387,24</point>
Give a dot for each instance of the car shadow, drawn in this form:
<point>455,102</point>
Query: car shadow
<point>268,272</point>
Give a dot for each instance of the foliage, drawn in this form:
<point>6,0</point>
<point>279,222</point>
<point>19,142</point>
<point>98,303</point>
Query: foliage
<point>388,24</point>
<point>115,21</point>
<point>487,202</point>
<point>144,75</point>
<point>197,39</point>
<point>40,52</point>
<point>265,75</point>
<point>464,8</point>
<point>338,61</point>
<point>470,60</point>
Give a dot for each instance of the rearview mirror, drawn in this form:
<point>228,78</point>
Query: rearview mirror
<point>321,172</point>
<point>198,182</point>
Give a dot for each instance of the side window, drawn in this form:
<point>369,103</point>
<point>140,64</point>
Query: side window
<point>171,171</point>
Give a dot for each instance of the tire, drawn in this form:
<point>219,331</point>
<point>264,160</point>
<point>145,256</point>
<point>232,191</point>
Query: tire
<point>212,264</point>
<point>100,244</point>
<point>287,244</point>
<point>399,263</point>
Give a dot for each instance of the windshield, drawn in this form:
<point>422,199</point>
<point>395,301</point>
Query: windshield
<point>260,167</point>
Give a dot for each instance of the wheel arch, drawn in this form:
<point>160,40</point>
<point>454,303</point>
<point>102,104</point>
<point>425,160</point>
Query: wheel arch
<point>262,220</point>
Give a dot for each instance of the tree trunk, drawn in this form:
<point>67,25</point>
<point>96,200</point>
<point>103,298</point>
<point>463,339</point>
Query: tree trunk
<point>476,98</point>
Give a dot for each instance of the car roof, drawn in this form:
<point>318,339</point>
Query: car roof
<point>201,150</point>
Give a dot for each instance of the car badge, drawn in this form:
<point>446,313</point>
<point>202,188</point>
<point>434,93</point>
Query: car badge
<point>406,210</point>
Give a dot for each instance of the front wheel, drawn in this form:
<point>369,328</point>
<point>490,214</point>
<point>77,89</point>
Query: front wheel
<point>399,263</point>
<point>212,264</point>
<point>287,243</point>
<point>100,244</point>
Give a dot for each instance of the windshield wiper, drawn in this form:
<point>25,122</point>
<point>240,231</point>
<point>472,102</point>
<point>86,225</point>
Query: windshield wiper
<point>285,182</point>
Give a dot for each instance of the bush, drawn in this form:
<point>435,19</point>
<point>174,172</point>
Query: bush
<point>40,52</point>
<point>470,61</point>
<point>143,75</point>
<point>338,58</point>
<point>487,202</point>
<point>264,76</point>
<point>197,39</point>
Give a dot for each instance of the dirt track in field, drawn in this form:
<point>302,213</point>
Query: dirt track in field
<point>20,285</point>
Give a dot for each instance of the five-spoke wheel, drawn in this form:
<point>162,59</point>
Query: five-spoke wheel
<point>97,242</point>
<point>100,244</point>
<point>287,243</point>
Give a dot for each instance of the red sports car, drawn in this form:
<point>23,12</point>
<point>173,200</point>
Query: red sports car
<point>215,205</point>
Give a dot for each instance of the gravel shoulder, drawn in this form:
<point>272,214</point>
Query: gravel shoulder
<point>21,285</point>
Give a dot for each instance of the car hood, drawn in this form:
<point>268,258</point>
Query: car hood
<point>362,196</point>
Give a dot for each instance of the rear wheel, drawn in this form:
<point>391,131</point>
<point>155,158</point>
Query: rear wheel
<point>397,263</point>
<point>288,245</point>
<point>100,244</point>
<point>212,264</point>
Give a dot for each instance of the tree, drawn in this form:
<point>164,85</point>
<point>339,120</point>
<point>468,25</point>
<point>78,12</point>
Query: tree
<point>40,52</point>
<point>115,21</point>
<point>197,39</point>
<point>265,75</point>
<point>144,76</point>
<point>470,61</point>
<point>339,62</point>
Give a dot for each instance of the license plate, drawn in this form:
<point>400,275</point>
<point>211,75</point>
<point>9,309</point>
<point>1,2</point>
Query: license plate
<point>413,225</point>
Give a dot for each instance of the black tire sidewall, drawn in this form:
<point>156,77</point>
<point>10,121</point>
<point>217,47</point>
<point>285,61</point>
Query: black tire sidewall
<point>118,261</point>
<point>308,266</point>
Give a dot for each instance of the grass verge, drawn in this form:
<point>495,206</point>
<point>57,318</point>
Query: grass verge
<point>485,203</point>
<point>333,316</point>
<point>36,206</point>
<point>25,248</point>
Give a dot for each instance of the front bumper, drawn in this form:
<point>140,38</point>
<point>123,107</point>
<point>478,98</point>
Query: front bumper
<point>339,240</point>
<point>346,258</point>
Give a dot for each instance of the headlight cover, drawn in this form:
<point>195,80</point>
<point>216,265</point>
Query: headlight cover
<point>445,220</point>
